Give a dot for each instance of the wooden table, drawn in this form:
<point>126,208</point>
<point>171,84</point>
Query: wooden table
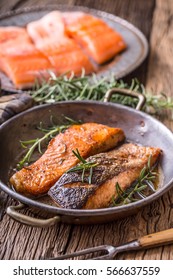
<point>155,19</point>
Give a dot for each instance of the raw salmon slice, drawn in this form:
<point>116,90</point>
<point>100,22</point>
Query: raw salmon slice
<point>88,138</point>
<point>48,34</point>
<point>10,34</point>
<point>19,58</point>
<point>122,165</point>
<point>99,40</point>
<point>26,69</point>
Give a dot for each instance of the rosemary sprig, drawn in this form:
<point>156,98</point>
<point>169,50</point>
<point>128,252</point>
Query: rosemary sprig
<point>147,176</point>
<point>66,87</point>
<point>83,166</point>
<point>33,144</point>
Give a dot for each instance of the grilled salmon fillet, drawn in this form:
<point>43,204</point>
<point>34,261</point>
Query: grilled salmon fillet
<point>88,138</point>
<point>122,165</point>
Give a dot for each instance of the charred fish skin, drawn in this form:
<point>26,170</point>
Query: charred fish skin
<point>71,198</point>
<point>88,138</point>
<point>122,165</point>
<point>66,196</point>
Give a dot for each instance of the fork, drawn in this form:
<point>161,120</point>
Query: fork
<point>147,241</point>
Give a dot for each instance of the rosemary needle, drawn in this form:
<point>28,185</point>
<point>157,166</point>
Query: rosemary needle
<point>147,176</point>
<point>83,166</point>
<point>49,133</point>
<point>37,143</point>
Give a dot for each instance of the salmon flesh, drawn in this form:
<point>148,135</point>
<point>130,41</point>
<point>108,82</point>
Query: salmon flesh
<point>97,38</point>
<point>122,165</point>
<point>19,58</point>
<point>58,42</point>
<point>88,138</point>
<point>50,38</point>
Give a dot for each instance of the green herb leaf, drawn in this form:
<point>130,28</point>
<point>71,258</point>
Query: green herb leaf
<point>147,176</point>
<point>83,166</point>
<point>37,143</point>
<point>77,154</point>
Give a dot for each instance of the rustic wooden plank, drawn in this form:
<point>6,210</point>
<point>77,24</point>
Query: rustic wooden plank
<point>29,3</point>
<point>7,5</point>
<point>22,242</point>
<point>15,4</point>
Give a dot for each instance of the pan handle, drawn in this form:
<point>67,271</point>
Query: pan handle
<point>126,92</point>
<point>12,211</point>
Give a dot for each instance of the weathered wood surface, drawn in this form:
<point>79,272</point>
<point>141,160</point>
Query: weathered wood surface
<point>17,241</point>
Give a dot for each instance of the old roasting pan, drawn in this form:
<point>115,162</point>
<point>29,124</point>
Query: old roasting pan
<point>138,126</point>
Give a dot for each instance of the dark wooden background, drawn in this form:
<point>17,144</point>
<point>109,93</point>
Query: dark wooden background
<point>155,19</point>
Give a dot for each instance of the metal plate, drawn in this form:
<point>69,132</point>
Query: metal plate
<point>138,126</point>
<point>120,66</point>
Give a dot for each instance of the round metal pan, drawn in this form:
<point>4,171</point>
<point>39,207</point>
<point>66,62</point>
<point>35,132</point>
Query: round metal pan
<point>121,65</point>
<point>138,126</point>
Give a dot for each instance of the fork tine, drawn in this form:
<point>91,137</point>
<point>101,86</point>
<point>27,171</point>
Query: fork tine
<point>103,257</point>
<point>150,185</point>
<point>83,252</point>
<point>141,195</point>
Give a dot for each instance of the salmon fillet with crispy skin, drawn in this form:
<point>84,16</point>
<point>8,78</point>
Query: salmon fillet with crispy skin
<point>122,165</point>
<point>88,138</point>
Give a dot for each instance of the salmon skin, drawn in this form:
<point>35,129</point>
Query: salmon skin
<point>122,165</point>
<point>88,138</point>
<point>98,39</point>
<point>50,38</point>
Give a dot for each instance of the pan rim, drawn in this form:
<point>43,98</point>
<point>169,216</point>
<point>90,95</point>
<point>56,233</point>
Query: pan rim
<point>95,102</point>
<point>88,212</point>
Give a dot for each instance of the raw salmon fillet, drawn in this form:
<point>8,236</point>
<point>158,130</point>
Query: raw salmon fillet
<point>19,58</point>
<point>99,40</point>
<point>10,34</point>
<point>50,38</point>
<point>122,165</point>
<point>88,138</point>
<point>60,42</point>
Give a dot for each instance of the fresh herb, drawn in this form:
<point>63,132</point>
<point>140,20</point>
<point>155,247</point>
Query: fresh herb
<point>49,133</point>
<point>83,166</point>
<point>64,88</point>
<point>135,192</point>
<point>157,103</point>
